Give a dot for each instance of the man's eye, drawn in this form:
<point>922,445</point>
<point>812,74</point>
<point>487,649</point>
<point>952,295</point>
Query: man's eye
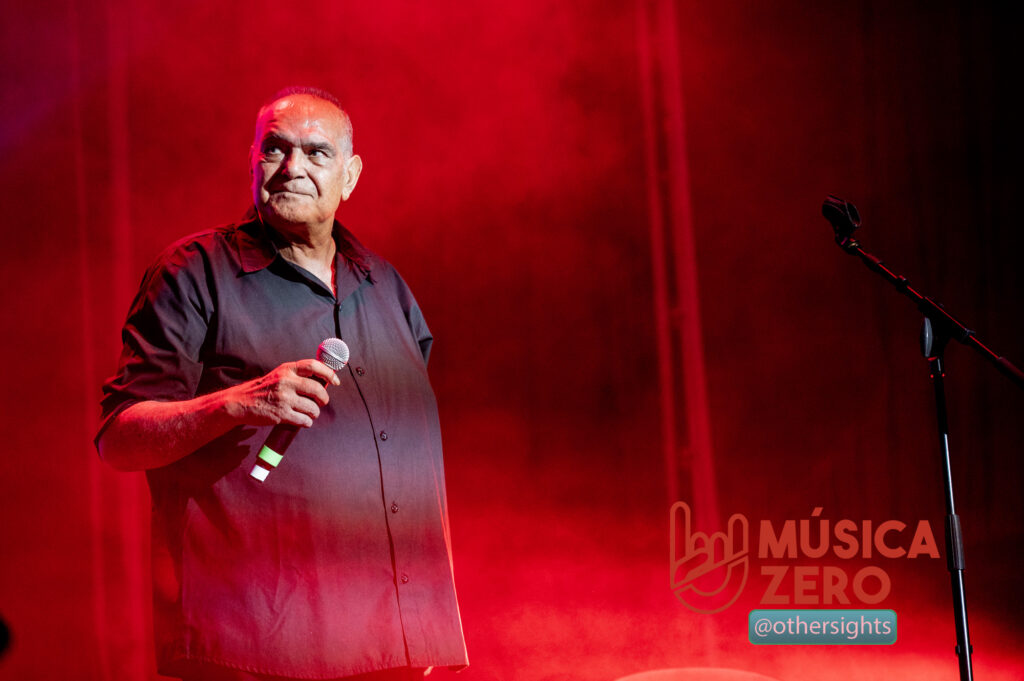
<point>271,150</point>
<point>317,153</point>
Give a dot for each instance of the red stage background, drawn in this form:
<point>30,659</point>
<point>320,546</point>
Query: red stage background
<point>610,214</point>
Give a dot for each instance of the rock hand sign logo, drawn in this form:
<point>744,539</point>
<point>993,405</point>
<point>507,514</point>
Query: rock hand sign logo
<point>708,572</point>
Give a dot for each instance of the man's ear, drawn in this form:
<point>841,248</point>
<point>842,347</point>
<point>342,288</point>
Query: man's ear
<point>353,168</point>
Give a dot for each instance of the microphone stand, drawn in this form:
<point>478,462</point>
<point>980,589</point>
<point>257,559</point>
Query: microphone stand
<point>938,329</point>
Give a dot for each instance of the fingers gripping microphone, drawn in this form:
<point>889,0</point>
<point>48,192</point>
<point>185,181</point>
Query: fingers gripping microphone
<point>334,353</point>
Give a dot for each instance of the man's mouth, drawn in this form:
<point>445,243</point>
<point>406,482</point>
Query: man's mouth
<point>288,192</point>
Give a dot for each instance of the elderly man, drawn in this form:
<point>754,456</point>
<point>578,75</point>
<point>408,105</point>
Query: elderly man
<point>338,565</point>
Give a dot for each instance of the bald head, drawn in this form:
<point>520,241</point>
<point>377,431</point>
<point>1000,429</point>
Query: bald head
<point>315,93</point>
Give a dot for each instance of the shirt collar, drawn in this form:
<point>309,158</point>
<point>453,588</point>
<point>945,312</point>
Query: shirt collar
<point>256,250</point>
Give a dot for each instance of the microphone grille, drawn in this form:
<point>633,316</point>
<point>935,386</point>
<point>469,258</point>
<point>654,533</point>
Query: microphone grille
<point>334,353</point>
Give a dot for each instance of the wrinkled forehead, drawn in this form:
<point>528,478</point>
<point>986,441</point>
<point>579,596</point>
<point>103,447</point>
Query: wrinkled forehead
<point>301,116</point>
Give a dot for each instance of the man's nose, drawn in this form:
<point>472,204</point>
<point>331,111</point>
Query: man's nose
<point>294,163</point>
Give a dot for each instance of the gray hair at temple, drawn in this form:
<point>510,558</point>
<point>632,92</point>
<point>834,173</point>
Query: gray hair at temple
<point>324,95</point>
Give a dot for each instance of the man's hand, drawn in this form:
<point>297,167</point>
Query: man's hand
<point>293,393</point>
<point>153,434</point>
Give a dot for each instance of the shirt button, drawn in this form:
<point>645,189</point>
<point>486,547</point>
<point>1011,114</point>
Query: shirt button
<point>383,435</point>
<point>360,370</point>
<point>394,507</point>
<point>405,578</point>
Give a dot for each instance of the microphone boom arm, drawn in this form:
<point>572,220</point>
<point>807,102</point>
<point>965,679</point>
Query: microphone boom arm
<point>845,219</point>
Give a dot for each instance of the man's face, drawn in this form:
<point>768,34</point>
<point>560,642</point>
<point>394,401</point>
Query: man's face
<point>299,173</point>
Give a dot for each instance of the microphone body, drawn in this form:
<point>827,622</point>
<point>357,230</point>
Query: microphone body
<point>334,353</point>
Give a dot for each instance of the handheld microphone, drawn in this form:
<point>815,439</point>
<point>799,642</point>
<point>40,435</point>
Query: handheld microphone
<point>334,353</point>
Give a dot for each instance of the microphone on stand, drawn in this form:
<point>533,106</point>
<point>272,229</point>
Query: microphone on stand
<point>334,353</point>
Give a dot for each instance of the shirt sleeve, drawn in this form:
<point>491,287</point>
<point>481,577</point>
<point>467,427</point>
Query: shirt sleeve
<point>414,317</point>
<point>163,336</point>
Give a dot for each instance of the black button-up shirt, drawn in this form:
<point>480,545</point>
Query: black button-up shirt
<point>313,573</point>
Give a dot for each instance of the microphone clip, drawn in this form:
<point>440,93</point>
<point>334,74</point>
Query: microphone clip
<point>844,218</point>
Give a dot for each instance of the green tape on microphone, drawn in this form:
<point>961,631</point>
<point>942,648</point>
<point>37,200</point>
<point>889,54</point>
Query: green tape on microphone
<point>270,457</point>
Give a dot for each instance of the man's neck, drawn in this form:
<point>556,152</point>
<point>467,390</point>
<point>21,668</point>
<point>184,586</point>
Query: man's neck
<point>311,249</point>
